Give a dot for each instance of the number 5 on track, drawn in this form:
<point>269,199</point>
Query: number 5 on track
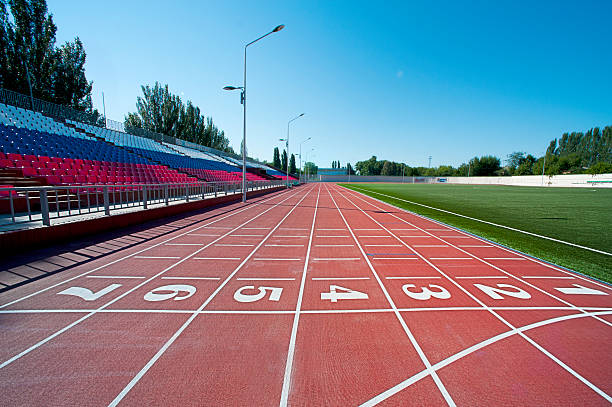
<point>341,293</point>
<point>275,294</point>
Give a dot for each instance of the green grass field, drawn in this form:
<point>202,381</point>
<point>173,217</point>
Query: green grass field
<point>581,216</point>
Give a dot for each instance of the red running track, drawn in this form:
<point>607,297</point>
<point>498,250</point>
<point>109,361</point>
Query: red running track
<point>314,296</point>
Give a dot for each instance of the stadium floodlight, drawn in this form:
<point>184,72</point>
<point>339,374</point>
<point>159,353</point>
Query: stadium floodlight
<point>243,94</point>
<point>302,142</point>
<point>287,143</point>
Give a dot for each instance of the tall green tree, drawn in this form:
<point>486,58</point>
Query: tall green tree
<point>27,45</point>
<point>284,160</point>
<point>276,161</point>
<point>161,111</point>
<point>292,168</point>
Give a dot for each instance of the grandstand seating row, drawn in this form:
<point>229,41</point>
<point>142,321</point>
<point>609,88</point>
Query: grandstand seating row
<point>80,153</point>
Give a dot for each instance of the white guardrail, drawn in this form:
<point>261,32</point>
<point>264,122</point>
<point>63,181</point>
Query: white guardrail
<point>25,207</point>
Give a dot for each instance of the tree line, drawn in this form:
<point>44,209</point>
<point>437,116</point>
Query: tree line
<point>280,161</point>
<point>28,53</point>
<point>572,153</point>
<point>161,111</point>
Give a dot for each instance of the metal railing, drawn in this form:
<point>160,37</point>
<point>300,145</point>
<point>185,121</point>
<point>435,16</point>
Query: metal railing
<point>27,207</point>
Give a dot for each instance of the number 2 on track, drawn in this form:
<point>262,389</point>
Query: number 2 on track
<point>342,293</point>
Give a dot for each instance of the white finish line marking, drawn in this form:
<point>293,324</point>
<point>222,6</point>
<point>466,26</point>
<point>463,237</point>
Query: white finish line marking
<point>233,245</point>
<point>284,245</point>
<point>339,278</point>
<point>202,234</point>
<point>477,277</point>
<point>191,278</point>
<point>265,279</point>
<point>279,259</point>
<point>410,278</point>
<point>504,258</point>
<point>338,258</point>
<point>216,258</point>
<point>184,244</point>
<point>157,257</point>
<point>551,277</point>
<point>335,245</point>
<point>114,277</point>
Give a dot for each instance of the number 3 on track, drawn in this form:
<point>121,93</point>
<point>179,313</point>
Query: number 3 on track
<point>275,294</point>
<point>341,293</point>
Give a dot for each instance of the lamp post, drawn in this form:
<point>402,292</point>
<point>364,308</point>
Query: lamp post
<point>243,101</point>
<point>302,142</point>
<point>287,143</point>
<point>307,152</point>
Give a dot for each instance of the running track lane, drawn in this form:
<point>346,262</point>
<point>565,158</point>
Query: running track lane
<point>315,296</point>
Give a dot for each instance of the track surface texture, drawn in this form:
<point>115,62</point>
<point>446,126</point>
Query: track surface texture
<point>313,296</point>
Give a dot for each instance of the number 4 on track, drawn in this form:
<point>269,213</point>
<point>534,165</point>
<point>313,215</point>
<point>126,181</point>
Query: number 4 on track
<point>342,293</point>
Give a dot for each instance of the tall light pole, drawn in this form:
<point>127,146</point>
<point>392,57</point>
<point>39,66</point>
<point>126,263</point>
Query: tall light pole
<point>287,143</point>
<point>243,101</point>
<point>307,152</point>
<point>302,142</point>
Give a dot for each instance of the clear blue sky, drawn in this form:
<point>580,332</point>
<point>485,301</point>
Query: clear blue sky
<point>399,80</point>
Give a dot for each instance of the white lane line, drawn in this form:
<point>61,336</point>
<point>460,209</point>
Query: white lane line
<point>191,278</point>
<point>504,258</point>
<point>411,236</point>
<point>293,229</point>
<point>465,352</point>
<point>113,277</point>
<point>247,235</point>
<point>365,229</point>
<point>216,258</point>
<point>184,244</point>
<point>202,234</point>
<point>255,229</point>
<point>430,245</point>
<point>399,317</point>
<point>395,258</point>
<point>489,223</point>
<point>187,233</point>
<point>411,278</point>
<point>503,320</point>
<point>275,259</point>
<point>335,245</point>
<point>383,245</point>
<point>403,229</point>
<point>266,279</point>
<point>383,237</point>
<point>285,236</point>
<point>335,259</point>
<point>440,230</point>
<point>83,318</point>
<point>319,236</point>
<point>296,318</point>
<point>450,258</point>
<point>170,341</point>
<point>478,277</point>
<point>234,245</point>
<point>456,237</point>
<point>339,278</point>
<point>156,257</point>
<point>284,245</point>
<point>551,277</point>
<point>219,227</point>
<point>476,245</point>
<point>332,229</point>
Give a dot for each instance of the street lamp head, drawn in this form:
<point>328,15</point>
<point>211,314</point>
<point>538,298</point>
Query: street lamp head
<point>301,115</point>
<point>278,28</point>
<point>232,87</point>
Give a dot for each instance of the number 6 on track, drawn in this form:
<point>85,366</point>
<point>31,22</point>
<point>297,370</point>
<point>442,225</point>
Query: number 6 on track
<point>275,294</point>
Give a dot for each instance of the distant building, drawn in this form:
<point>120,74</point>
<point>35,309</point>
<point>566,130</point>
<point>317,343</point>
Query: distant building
<point>332,171</point>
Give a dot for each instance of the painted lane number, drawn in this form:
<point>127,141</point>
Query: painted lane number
<point>580,290</point>
<point>495,292</point>
<point>275,294</point>
<point>167,292</point>
<point>342,293</point>
<point>87,294</point>
<point>426,293</point>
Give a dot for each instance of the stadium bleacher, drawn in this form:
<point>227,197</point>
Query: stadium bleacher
<point>75,153</point>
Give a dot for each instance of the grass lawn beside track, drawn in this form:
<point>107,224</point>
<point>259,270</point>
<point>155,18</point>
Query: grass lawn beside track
<point>578,215</point>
